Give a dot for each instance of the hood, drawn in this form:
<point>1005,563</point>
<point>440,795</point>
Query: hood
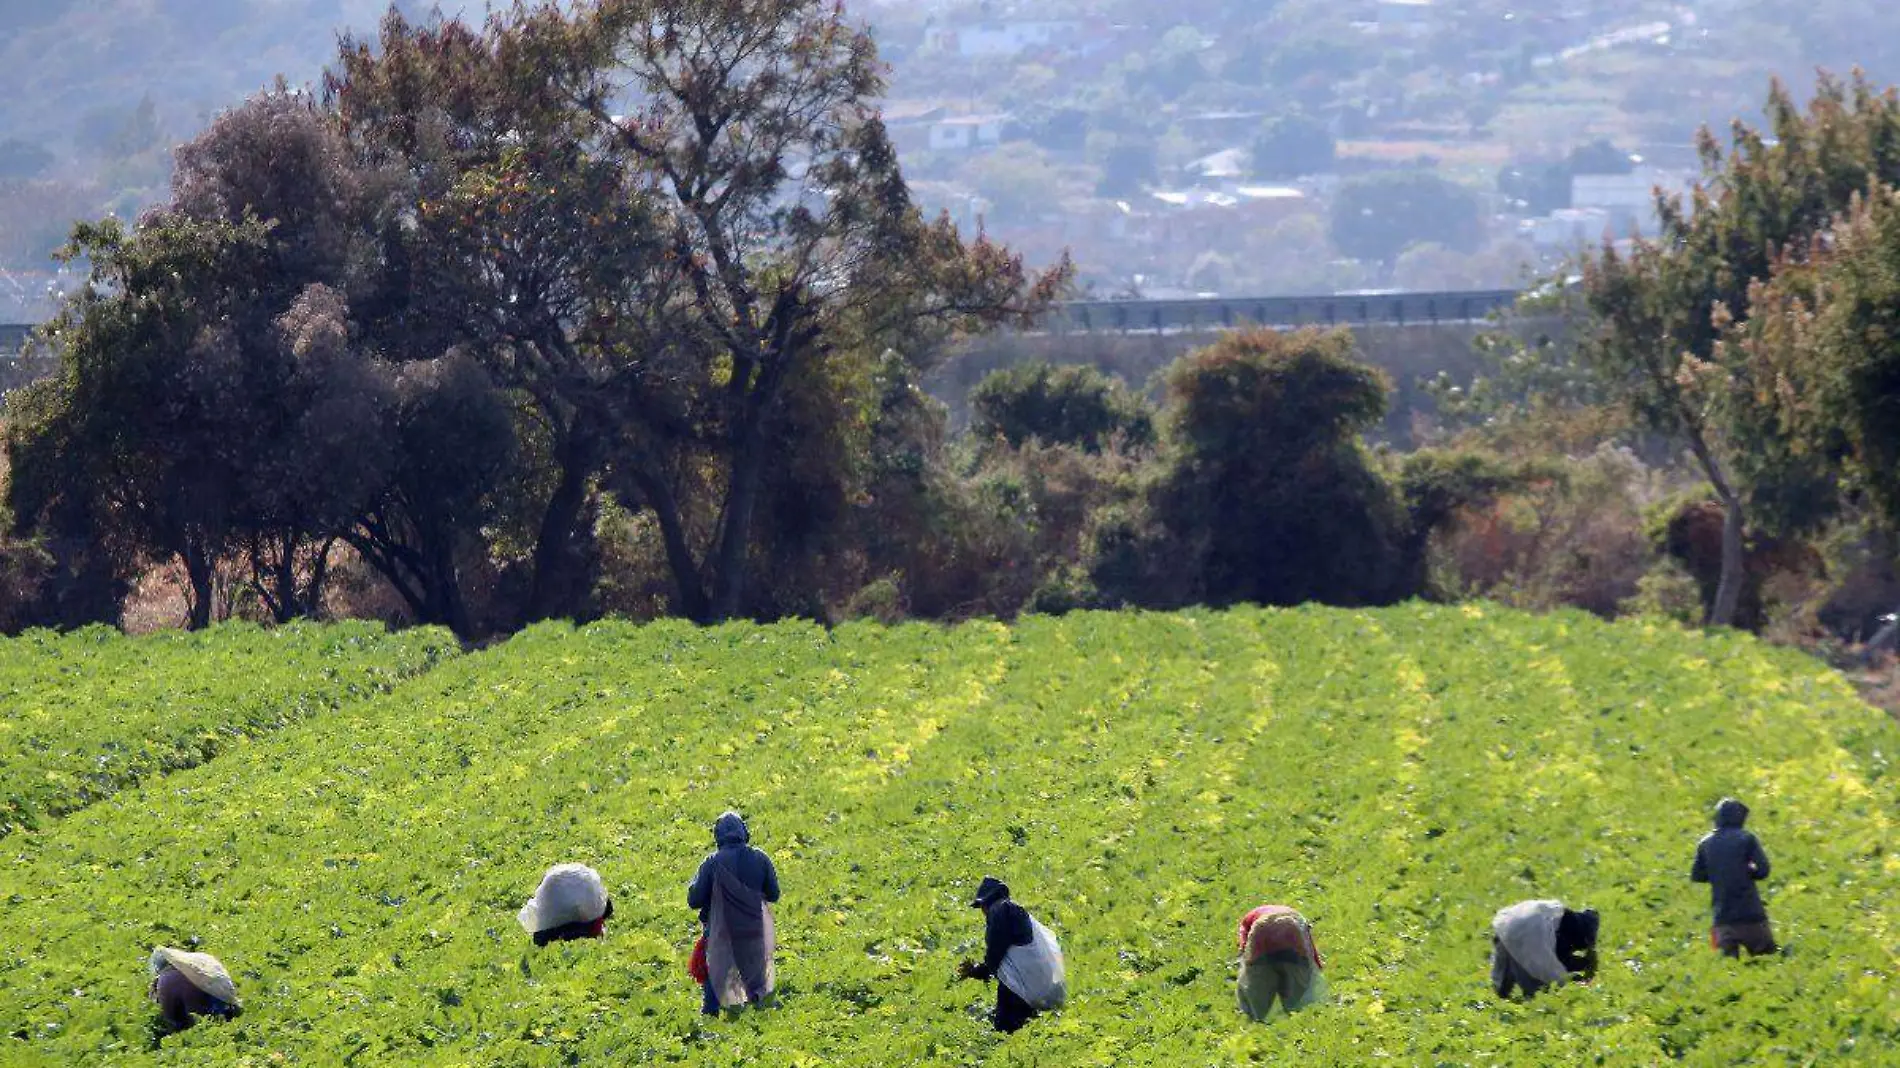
<point>1730,813</point>
<point>990,891</point>
<point>731,830</point>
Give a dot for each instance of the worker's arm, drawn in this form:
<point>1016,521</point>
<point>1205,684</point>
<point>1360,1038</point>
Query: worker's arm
<point>770,888</point>
<point>996,942</point>
<point>699,894</point>
<point>1757,859</point>
<point>1700,873</point>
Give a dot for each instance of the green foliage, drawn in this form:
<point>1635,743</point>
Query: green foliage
<point>92,712</point>
<point>1141,780</point>
<point>1264,492</point>
<point>1020,184</point>
<point>1819,353</point>
<point>1667,592</point>
<point>1292,146</point>
<point>1376,218</point>
<point>1069,404</point>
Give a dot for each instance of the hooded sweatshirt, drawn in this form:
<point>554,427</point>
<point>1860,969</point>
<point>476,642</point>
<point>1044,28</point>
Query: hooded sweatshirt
<point>1731,860</point>
<point>749,867</point>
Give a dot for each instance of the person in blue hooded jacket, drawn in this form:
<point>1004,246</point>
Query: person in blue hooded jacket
<point>1731,860</point>
<point>734,891</point>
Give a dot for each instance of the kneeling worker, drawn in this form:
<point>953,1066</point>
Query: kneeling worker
<point>1020,954</point>
<point>1535,944</point>
<point>186,986</point>
<point>1278,960</point>
<point>571,903</point>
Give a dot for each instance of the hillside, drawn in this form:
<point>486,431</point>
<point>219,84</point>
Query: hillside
<point>1140,779</point>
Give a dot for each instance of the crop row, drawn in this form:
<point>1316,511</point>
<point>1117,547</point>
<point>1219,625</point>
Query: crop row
<point>1140,779</point>
<point>83,715</point>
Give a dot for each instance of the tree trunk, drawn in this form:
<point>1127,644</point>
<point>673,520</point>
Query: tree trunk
<point>552,593</point>
<point>687,578</point>
<point>735,534</point>
<point>1728,591</point>
<point>198,571</point>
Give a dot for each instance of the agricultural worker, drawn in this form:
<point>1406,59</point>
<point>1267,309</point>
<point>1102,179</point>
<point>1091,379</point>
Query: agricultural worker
<point>1278,960</point>
<point>1020,954</point>
<point>1537,943</point>
<point>1731,860</point>
<point>570,903</point>
<point>734,892</point>
<point>186,986</point>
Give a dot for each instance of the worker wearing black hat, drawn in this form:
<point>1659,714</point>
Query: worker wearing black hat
<point>1020,954</point>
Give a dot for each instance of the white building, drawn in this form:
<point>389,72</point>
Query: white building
<point>1567,229</point>
<point>1628,199</point>
<point>967,132</point>
<point>1004,38</point>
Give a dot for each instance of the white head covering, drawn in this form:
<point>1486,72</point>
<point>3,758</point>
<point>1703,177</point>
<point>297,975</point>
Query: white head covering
<point>569,893</point>
<point>1528,930</point>
<point>202,969</point>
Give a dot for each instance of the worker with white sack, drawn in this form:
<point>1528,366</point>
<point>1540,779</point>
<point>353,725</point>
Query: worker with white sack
<point>1535,944</point>
<point>186,986</point>
<point>571,903</point>
<point>1021,955</point>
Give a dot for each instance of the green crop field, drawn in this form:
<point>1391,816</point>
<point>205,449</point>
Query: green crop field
<point>89,713</point>
<point>1139,779</point>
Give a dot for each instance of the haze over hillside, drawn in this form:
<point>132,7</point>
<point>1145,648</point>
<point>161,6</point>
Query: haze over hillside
<point>1198,146</point>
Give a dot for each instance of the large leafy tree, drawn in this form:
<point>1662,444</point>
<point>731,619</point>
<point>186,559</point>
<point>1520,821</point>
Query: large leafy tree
<point>1821,353</point>
<point>1661,307</point>
<point>754,125</point>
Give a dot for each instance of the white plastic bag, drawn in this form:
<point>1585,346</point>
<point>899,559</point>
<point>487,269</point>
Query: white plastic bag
<point>569,893</point>
<point>1034,972</point>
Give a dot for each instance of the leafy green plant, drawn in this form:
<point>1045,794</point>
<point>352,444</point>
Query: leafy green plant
<point>1140,779</point>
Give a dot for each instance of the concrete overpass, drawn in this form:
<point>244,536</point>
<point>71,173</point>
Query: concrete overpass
<point>1213,313</point>
<point>1219,313</point>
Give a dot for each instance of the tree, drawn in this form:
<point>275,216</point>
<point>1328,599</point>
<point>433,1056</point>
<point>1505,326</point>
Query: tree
<point>1020,185</point>
<point>1379,217</point>
<point>138,429</point>
<point>1128,165</point>
<point>1292,146</point>
<point>727,96</point>
<point>1662,308</point>
<point>1820,346</point>
<point>654,219</point>
<point>536,251</point>
<point>1060,405</point>
<point>1265,493</point>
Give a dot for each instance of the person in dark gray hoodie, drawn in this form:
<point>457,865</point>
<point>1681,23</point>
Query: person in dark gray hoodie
<point>1731,860</point>
<point>734,891</point>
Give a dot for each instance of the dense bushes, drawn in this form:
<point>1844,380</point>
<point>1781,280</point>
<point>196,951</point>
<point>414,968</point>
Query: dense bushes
<point>1263,491</point>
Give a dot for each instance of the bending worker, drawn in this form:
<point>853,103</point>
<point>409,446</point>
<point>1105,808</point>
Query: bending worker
<point>1535,944</point>
<point>1278,961</point>
<point>1731,860</point>
<point>571,903</point>
<point>186,986</point>
<point>1020,954</point>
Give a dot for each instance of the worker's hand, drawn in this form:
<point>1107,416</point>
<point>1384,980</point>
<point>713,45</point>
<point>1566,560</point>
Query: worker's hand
<point>966,969</point>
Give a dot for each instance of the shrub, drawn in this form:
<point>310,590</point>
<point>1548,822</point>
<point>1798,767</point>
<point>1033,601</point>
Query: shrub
<point>1060,405</point>
<point>1265,492</point>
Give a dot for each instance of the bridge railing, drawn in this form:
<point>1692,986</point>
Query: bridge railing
<point>1218,313</point>
<point>1215,313</point>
